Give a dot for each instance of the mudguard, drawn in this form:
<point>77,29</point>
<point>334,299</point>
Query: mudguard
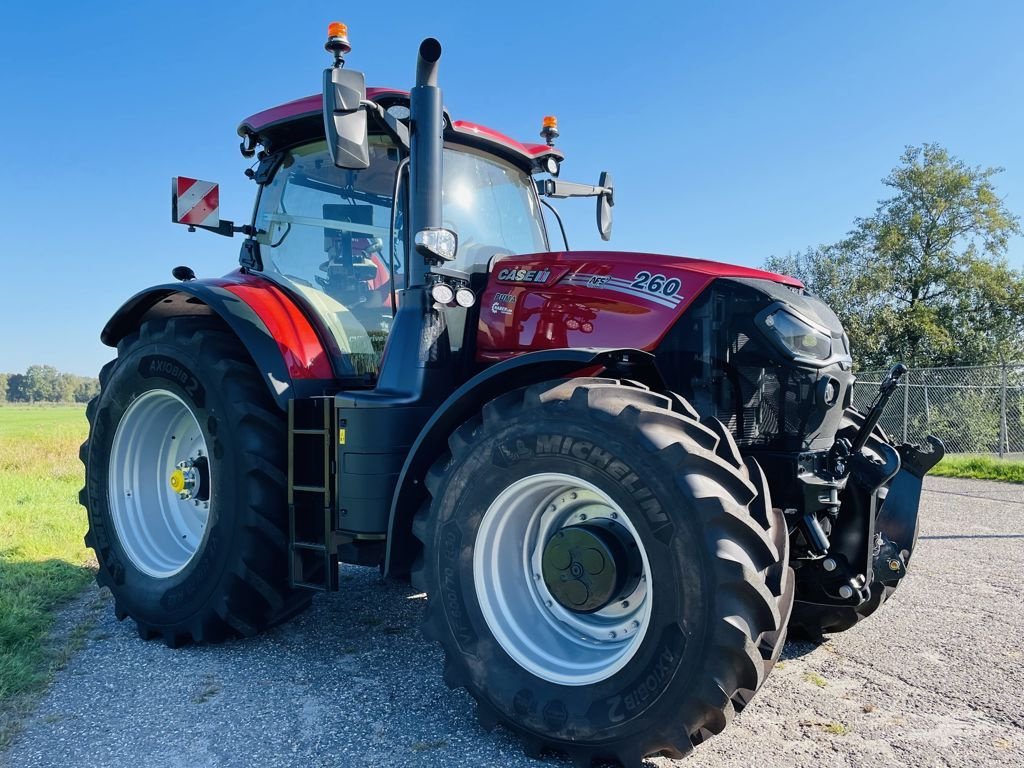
<point>514,373</point>
<point>286,348</point>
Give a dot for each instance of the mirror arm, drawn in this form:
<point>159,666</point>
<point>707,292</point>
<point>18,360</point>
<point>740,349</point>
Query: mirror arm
<point>563,189</point>
<point>225,228</point>
<point>396,129</point>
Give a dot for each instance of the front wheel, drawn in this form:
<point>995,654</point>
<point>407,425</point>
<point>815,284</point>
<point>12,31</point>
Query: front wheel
<point>185,486</point>
<point>594,572</point>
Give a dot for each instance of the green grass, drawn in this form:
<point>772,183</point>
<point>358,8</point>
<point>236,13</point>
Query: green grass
<point>815,679</point>
<point>43,562</point>
<point>981,468</point>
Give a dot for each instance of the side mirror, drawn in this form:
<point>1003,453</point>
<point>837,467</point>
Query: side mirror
<point>605,201</point>
<point>344,119</point>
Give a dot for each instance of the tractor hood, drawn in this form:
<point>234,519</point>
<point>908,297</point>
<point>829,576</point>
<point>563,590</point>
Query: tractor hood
<point>607,299</point>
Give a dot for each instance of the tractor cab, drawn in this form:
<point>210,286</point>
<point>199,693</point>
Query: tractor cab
<point>338,237</point>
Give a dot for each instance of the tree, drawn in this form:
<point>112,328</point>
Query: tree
<point>86,389</point>
<point>42,383</point>
<point>925,278</point>
<point>16,388</point>
<point>3,387</point>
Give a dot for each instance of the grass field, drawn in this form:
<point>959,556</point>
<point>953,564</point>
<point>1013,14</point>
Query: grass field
<point>981,468</point>
<point>43,562</point>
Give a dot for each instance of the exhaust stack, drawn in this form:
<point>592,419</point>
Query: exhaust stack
<point>427,125</point>
<point>419,337</point>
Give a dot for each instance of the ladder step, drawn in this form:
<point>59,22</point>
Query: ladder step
<point>320,432</point>
<point>310,488</point>
<point>312,546</point>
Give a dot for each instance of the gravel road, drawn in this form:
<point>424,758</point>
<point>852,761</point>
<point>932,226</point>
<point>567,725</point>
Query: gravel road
<point>934,679</point>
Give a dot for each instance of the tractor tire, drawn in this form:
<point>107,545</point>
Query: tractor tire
<point>780,578</point>
<point>182,410</point>
<point>569,662</point>
<point>812,621</point>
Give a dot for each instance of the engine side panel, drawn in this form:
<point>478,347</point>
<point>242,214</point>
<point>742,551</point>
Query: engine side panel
<point>583,299</point>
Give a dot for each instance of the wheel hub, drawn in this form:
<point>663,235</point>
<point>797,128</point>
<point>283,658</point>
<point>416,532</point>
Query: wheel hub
<point>191,479</point>
<point>587,567</point>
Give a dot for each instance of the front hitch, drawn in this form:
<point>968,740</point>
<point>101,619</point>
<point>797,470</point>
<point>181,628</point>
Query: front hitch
<point>874,529</point>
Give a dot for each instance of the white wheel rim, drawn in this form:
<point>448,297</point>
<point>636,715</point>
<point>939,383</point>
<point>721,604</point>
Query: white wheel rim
<point>544,638</point>
<point>159,529</point>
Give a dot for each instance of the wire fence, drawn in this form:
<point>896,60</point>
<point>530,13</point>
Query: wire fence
<point>976,409</point>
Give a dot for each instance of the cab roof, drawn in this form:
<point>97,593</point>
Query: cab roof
<point>302,120</point>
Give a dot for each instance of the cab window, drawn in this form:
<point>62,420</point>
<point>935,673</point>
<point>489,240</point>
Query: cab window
<point>326,233</point>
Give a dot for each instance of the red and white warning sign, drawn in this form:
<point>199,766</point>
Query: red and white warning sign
<point>195,202</point>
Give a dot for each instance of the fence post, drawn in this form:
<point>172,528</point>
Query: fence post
<point>927,404</point>
<point>1002,409</point>
<point>906,402</point>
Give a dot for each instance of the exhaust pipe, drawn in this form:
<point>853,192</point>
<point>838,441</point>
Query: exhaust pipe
<point>416,367</point>
<point>426,127</point>
<point>426,62</point>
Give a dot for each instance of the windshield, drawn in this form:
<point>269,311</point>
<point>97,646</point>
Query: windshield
<point>492,206</point>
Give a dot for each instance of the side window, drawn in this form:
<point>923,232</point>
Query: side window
<point>326,233</point>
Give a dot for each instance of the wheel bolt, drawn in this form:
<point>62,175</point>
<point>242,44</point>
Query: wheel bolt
<point>612,635</point>
<point>625,603</point>
<point>582,516</point>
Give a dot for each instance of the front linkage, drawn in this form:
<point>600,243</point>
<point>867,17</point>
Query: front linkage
<point>848,564</point>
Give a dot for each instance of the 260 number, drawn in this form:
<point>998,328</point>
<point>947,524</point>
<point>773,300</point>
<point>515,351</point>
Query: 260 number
<point>666,286</point>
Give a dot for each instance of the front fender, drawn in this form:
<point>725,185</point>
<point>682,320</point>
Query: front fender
<point>280,339</point>
<point>514,373</point>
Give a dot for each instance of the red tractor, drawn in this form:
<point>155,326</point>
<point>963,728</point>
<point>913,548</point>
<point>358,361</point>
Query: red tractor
<point>619,477</point>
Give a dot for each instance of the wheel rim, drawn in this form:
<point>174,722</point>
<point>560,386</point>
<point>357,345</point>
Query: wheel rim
<point>540,634</point>
<point>159,483</point>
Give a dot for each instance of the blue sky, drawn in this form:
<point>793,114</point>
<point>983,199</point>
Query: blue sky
<point>734,130</point>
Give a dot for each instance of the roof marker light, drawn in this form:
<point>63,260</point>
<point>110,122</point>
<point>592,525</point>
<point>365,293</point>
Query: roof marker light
<point>549,129</point>
<point>337,42</point>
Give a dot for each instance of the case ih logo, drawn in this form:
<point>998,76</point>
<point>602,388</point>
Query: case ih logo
<point>195,202</point>
<point>521,275</point>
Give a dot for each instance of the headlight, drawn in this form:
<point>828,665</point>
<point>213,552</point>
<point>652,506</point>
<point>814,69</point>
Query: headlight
<point>798,337</point>
<point>439,243</point>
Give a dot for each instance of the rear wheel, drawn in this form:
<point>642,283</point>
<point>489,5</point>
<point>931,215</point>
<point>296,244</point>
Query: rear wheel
<point>595,575</point>
<point>184,486</point>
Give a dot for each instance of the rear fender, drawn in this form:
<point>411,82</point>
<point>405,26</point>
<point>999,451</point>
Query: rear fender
<point>515,373</point>
<point>279,338</point>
